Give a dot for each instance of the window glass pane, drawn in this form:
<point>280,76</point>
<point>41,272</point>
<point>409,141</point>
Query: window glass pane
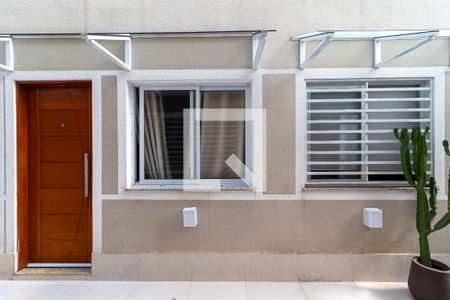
<point>221,139</point>
<point>336,141</point>
<point>394,114</point>
<point>136,134</point>
<point>165,155</point>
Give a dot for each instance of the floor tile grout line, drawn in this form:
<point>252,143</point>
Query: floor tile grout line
<point>361,290</point>
<point>245,290</point>
<point>302,289</point>
<point>189,290</point>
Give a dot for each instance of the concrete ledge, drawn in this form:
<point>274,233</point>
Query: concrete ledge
<point>253,267</point>
<point>7,262</point>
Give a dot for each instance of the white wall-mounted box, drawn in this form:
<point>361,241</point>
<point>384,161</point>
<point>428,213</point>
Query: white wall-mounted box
<point>373,217</point>
<point>190,217</point>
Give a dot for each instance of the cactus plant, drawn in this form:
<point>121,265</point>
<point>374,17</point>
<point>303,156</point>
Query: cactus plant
<point>416,176</point>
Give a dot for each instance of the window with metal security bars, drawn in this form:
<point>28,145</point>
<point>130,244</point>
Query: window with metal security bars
<point>174,144</point>
<point>350,140</point>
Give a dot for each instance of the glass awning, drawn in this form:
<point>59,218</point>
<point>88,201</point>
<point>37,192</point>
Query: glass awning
<point>258,42</point>
<point>420,37</point>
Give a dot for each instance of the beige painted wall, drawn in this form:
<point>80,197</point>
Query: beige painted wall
<point>161,53</point>
<point>192,53</point>
<point>211,53</point>
<point>7,265</point>
<point>275,227</point>
<point>279,102</point>
<point>288,17</point>
<point>253,267</point>
<point>62,54</point>
<point>109,135</point>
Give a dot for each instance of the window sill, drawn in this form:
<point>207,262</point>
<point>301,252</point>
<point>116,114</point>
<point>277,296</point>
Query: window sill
<point>181,188</point>
<point>357,188</point>
<point>359,193</point>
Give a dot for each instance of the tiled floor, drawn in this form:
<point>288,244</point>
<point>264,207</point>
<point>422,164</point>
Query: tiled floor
<point>110,290</point>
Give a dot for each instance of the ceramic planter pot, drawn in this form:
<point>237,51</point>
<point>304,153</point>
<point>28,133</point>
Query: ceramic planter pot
<point>429,283</point>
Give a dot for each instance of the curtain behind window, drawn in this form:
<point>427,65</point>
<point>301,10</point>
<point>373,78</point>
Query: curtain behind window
<point>155,150</point>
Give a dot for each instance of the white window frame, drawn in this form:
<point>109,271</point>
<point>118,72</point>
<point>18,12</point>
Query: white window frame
<point>195,99</point>
<point>437,77</point>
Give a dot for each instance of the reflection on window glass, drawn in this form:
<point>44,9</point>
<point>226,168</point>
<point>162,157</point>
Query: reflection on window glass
<point>221,139</point>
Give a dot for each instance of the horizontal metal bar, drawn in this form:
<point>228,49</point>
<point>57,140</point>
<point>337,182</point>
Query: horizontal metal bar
<point>369,121</point>
<point>30,36</point>
<point>354,35</point>
<point>359,173</point>
<point>354,142</point>
<point>354,152</point>
<point>311,36</point>
<point>337,90</point>
<point>387,110</point>
<point>109,37</point>
<point>349,183</point>
<point>369,34</point>
<point>409,35</point>
<point>225,33</point>
<point>367,100</point>
<point>443,33</point>
<point>349,131</point>
<point>196,34</point>
<point>353,163</point>
<point>328,142</point>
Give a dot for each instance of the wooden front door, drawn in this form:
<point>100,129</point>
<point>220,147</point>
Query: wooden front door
<point>59,173</point>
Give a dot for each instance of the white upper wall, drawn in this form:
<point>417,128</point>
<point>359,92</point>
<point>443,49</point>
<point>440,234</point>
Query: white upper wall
<point>288,17</point>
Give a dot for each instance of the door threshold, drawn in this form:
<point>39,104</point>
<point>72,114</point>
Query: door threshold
<point>58,265</point>
<point>53,273</point>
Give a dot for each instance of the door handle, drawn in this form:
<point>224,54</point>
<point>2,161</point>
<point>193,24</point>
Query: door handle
<point>86,175</point>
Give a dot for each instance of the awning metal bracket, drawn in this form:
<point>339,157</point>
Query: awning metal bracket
<point>126,62</point>
<point>325,39</point>
<point>424,37</point>
<point>326,36</point>
<point>9,54</point>
<point>258,43</point>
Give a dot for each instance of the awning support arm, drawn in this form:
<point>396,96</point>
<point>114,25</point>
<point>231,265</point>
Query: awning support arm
<point>378,61</point>
<point>376,36</point>
<point>258,43</point>
<point>325,38</point>
<point>126,63</point>
<point>9,55</point>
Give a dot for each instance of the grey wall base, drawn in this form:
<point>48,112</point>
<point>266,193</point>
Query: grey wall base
<point>7,262</point>
<point>254,267</point>
<point>239,266</point>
